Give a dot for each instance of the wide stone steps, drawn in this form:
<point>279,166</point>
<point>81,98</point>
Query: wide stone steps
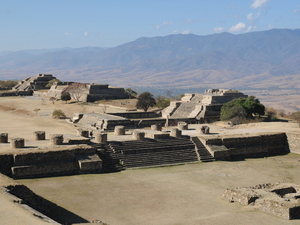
<point>151,153</point>
<point>148,160</point>
<point>183,110</point>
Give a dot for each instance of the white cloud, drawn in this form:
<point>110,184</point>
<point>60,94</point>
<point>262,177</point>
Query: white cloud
<point>250,17</point>
<point>219,29</point>
<point>250,28</point>
<point>68,34</point>
<point>176,32</point>
<point>186,32</point>
<point>238,27</point>
<point>86,34</point>
<point>295,10</point>
<point>157,27</point>
<point>167,23</point>
<point>258,3</point>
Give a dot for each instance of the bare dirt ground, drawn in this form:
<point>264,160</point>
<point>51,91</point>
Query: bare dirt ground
<point>186,194</point>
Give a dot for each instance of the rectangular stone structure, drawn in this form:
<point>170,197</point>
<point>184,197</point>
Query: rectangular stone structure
<point>89,163</point>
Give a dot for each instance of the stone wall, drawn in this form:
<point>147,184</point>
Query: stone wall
<point>138,115</point>
<point>33,158</point>
<point>74,160</point>
<point>16,93</point>
<point>294,142</point>
<point>248,146</point>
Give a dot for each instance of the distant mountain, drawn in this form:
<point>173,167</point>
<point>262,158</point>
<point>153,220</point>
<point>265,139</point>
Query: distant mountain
<point>179,60</point>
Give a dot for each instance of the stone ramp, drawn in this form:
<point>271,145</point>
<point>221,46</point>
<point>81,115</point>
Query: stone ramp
<point>184,110</point>
<point>151,152</point>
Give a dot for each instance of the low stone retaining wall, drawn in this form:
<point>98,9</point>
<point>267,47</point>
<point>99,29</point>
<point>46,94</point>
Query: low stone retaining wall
<point>42,157</point>
<point>138,115</point>
<point>294,142</point>
<point>51,163</point>
<point>229,148</point>
<point>16,93</point>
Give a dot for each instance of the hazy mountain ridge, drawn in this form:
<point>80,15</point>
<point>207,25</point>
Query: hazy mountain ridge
<point>212,60</point>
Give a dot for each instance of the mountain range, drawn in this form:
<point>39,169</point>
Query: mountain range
<point>264,60</point>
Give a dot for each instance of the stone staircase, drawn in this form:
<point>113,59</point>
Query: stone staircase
<point>204,154</point>
<point>184,110</point>
<point>110,161</point>
<point>154,152</point>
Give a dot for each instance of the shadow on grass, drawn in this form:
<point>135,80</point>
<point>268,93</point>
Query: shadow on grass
<point>63,215</point>
<point>44,206</point>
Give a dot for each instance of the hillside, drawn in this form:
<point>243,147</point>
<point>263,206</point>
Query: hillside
<point>264,60</point>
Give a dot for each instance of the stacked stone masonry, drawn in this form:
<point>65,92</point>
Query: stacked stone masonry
<point>280,199</point>
<point>229,148</point>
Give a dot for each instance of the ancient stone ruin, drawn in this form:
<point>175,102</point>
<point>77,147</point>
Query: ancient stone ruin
<point>89,92</point>
<point>34,83</point>
<point>201,107</point>
<point>280,199</point>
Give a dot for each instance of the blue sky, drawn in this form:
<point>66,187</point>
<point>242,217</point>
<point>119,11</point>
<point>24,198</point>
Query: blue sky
<point>38,24</point>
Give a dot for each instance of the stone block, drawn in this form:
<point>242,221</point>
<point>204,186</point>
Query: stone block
<point>56,139</point>
<point>175,132</point>
<point>156,127</point>
<point>83,133</point>
<point>17,143</point>
<point>182,126</point>
<point>29,171</point>
<point>89,163</point>
<point>4,138</point>
<point>119,130</point>
<point>100,137</point>
<point>138,135</point>
<point>39,135</point>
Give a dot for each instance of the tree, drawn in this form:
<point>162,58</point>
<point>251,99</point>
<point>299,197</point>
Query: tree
<point>145,100</point>
<point>8,84</point>
<point>162,102</point>
<point>242,108</point>
<point>36,110</point>
<point>65,97</point>
<point>51,82</point>
<point>76,90</point>
<point>52,99</point>
<point>131,93</point>
<point>296,116</point>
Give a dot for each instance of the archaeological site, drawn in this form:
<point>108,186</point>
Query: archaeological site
<point>167,166</point>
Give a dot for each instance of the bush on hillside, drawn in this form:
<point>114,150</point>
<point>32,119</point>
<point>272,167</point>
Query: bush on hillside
<point>58,114</point>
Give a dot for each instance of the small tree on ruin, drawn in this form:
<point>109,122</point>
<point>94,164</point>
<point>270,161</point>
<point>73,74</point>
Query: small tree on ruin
<point>65,97</point>
<point>76,90</point>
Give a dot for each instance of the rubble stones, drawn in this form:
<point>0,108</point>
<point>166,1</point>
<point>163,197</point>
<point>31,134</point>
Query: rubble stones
<point>280,199</point>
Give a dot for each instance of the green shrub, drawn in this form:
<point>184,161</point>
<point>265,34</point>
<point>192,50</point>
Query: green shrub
<point>58,114</point>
